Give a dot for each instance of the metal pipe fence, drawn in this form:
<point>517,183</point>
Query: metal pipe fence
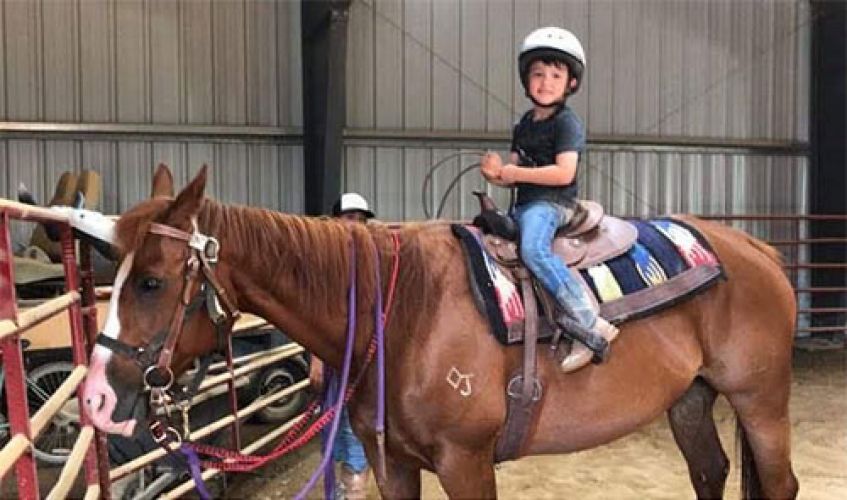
<point>25,428</point>
<point>790,235</point>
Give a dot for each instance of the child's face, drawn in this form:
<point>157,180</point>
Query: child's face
<point>548,82</point>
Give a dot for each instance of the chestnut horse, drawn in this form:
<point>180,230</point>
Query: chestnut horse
<point>734,339</point>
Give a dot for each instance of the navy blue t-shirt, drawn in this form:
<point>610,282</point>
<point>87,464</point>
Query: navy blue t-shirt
<point>538,142</point>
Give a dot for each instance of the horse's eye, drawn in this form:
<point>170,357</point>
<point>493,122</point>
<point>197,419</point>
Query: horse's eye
<point>150,284</point>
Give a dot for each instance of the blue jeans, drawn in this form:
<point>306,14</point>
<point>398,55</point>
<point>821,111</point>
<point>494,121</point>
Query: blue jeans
<point>538,221</point>
<point>348,449</point>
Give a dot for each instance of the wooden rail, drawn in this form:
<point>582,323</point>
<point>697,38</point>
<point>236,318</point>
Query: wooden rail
<point>42,417</point>
<point>253,447</point>
<point>37,314</point>
<point>258,404</point>
<point>73,465</point>
<point>12,451</point>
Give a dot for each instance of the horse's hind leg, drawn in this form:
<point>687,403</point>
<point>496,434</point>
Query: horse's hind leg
<point>763,414</point>
<point>694,430</point>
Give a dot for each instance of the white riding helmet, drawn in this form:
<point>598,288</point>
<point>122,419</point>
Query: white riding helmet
<point>552,43</point>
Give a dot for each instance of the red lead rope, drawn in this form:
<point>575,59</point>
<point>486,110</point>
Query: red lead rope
<point>234,461</point>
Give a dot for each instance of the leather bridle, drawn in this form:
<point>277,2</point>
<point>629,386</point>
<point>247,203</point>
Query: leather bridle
<point>155,357</point>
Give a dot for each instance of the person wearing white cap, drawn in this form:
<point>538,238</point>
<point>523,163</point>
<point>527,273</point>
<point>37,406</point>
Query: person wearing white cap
<point>347,449</point>
<point>546,145</point>
<point>352,206</point>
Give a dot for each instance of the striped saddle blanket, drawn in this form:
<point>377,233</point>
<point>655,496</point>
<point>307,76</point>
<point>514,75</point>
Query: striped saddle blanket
<point>668,262</point>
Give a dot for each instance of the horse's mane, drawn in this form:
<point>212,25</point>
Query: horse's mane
<point>315,251</point>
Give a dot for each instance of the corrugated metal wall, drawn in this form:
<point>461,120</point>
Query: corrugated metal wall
<point>426,79</point>
<point>698,70</point>
<point>128,62</point>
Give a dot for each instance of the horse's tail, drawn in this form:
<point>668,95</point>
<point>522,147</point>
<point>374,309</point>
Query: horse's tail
<point>750,485</point>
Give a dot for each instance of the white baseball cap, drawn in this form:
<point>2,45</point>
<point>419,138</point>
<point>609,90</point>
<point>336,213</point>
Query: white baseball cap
<point>351,202</point>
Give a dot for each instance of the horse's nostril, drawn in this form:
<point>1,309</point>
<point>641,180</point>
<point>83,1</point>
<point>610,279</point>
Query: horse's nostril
<point>99,405</point>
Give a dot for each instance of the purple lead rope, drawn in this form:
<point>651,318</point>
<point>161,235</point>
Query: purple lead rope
<point>196,473</point>
<point>345,372</point>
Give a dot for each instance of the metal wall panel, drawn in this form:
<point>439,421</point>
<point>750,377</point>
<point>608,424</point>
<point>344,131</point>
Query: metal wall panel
<point>699,69</point>
<point>97,55</point>
<point>630,182</point>
<point>161,62</point>
<point>151,61</point>
<point>445,79</point>
<point>260,174</point>
<point>61,87</point>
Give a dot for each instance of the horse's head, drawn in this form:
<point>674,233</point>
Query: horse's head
<point>160,317</point>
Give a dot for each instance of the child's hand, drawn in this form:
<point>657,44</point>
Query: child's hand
<point>490,165</point>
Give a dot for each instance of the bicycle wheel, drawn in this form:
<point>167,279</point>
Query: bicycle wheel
<point>56,441</point>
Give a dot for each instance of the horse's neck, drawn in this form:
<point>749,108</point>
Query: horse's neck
<point>261,289</point>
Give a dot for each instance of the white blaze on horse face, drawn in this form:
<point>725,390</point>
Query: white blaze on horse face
<point>100,399</point>
<point>112,328</point>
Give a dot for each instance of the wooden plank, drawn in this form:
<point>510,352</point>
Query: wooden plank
<point>73,465</point>
<point>58,399</point>
<point>54,333</point>
<point>11,452</point>
<point>37,314</point>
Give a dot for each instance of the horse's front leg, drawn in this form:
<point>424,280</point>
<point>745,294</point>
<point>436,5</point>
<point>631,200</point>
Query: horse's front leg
<point>466,473</point>
<point>402,479</point>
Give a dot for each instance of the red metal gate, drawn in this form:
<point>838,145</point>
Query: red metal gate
<point>90,445</point>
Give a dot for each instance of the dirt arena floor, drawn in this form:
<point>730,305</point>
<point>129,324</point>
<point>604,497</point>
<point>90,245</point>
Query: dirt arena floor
<point>646,464</point>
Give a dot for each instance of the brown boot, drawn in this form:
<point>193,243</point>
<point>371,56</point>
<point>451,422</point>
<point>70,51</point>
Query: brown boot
<point>581,355</point>
<point>355,484</point>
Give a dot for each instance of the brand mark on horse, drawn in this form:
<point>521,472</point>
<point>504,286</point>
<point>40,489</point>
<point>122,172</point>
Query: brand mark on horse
<point>457,379</point>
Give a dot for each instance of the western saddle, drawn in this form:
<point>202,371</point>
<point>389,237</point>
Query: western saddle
<point>590,238</point>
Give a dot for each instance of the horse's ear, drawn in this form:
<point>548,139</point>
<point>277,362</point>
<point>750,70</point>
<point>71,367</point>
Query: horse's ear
<point>163,182</point>
<point>188,201</point>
